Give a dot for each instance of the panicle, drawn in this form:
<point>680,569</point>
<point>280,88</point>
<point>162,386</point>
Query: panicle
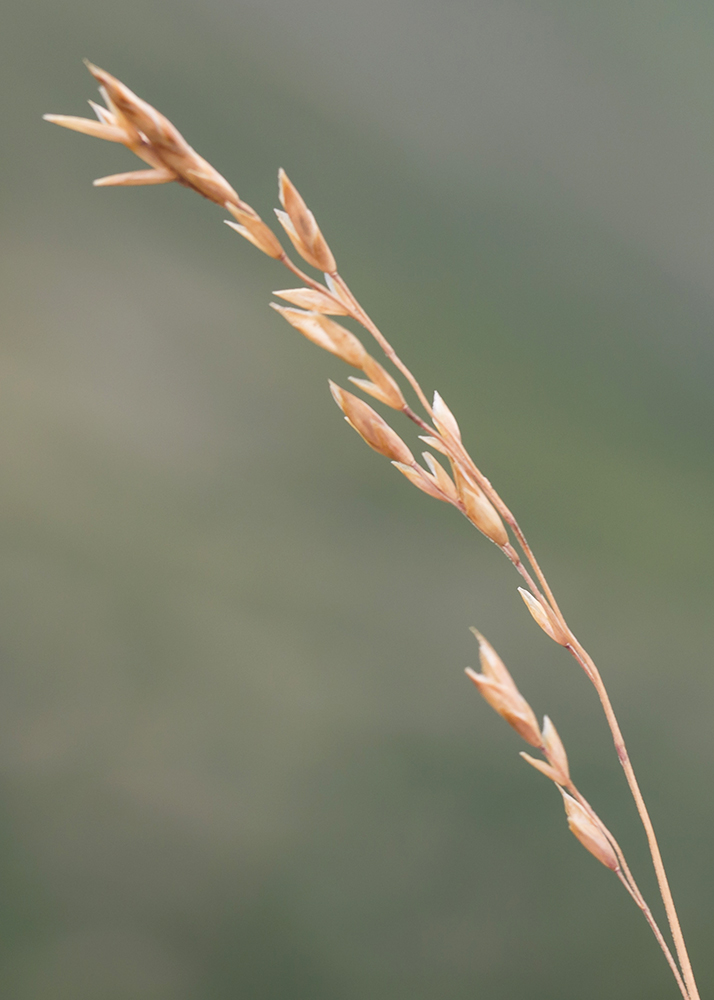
<point>371,427</point>
<point>588,832</point>
<point>300,225</point>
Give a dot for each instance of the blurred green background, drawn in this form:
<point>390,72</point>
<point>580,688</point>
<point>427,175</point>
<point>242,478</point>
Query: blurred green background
<point>238,756</point>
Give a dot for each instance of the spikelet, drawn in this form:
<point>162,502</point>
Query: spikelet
<point>252,228</point>
<point>371,427</point>
<point>544,617</point>
<point>299,223</point>
<point>315,301</point>
<point>147,133</point>
<point>325,333</point>
<point>444,419</point>
<point>421,479</point>
<point>442,477</point>
<point>590,834</point>
<point>557,767</point>
<point>500,691</point>
<point>510,706</point>
<point>382,385</point>
<point>481,512</point>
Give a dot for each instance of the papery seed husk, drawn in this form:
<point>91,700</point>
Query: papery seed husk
<point>310,298</point>
<point>544,617</point>
<point>590,835</point>
<point>444,419</point>
<point>510,705</point>
<point>481,512</point>
<point>491,663</point>
<point>254,229</point>
<point>305,226</point>
<point>442,477</point>
<point>555,751</point>
<point>419,479</point>
<point>371,427</point>
<point>540,765</point>
<point>392,393</point>
<point>325,333</point>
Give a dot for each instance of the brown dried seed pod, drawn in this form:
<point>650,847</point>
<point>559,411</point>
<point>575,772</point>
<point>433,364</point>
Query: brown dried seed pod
<point>371,427</point>
<point>590,835</point>
<point>303,230</point>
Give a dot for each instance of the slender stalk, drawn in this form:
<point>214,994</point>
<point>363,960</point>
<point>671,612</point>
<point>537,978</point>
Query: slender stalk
<point>586,662</point>
<point>575,648</point>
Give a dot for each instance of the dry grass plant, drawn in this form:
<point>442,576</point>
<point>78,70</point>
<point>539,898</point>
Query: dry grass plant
<point>458,481</point>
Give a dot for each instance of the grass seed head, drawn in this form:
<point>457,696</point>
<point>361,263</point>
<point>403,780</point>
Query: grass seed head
<point>252,228</point>
<point>152,137</point>
<point>540,765</point>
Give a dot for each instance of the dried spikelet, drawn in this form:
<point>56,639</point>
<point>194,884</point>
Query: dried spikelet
<point>540,765</point>
<point>491,663</point>
<point>422,480</point>
<point>152,137</point>
<point>310,298</point>
<point>252,228</point>
<point>444,419</point>
<point>436,443</point>
<point>339,291</point>
<point>481,512</point>
<point>557,767</point>
<point>510,705</point>
<point>382,387</point>
<point>325,333</point>
<point>544,617</point>
<point>590,835</point>
<point>371,427</point>
<point>300,225</point>
<point>555,751</point>
<point>442,477</point>
<point>135,178</point>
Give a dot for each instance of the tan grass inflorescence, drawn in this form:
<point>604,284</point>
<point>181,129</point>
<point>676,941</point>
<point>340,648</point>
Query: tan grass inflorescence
<point>131,121</point>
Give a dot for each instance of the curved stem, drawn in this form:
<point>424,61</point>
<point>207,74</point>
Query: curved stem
<point>586,662</point>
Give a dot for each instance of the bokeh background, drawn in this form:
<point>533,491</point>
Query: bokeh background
<point>238,756</point>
